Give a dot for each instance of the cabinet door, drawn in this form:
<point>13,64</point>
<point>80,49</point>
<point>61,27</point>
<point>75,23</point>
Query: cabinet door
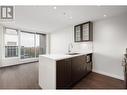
<point>63,73</point>
<point>84,66</point>
<point>86,32</point>
<point>77,68</point>
<point>77,33</point>
<point>83,32</point>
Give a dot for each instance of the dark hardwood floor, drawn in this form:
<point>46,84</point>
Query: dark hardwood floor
<point>98,81</point>
<point>25,76</point>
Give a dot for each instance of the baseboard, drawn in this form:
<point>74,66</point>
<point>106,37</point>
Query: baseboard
<point>108,74</point>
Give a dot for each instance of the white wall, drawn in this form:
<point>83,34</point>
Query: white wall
<point>110,42</point>
<point>59,41</point>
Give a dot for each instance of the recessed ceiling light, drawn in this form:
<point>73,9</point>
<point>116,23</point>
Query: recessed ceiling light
<point>105,15</point>
<point>54,7</point>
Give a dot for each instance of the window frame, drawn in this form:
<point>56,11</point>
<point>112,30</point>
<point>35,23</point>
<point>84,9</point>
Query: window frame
<point>4,56</point>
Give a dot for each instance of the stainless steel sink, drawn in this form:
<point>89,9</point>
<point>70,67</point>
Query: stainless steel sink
<point>72,53</point>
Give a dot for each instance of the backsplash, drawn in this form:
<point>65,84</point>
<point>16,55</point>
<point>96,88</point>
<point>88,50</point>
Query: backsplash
<point>82,47</point>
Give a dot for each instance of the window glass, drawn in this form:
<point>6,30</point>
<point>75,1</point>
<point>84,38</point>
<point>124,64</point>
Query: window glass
<point>31,44</point>
<point>40,44</point>
<point>11,42</point>
<point>27,45</point>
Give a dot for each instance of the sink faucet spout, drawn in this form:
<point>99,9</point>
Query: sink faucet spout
<point>70,46</point>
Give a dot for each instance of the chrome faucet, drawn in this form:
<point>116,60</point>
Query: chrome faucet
<point>70,46</point>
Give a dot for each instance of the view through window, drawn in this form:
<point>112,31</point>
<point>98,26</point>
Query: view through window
<point>27,45</point>
<point>11,43</point>
<point>40,44</point>
<point>31,44</point>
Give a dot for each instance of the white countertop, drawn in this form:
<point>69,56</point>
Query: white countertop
<point>62,56</point>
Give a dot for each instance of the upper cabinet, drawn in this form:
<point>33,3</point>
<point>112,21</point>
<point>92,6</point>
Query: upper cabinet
<point>83,32</point>
<point>78,33</point>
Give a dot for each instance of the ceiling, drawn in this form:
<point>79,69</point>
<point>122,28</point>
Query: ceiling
<point>52,18</point>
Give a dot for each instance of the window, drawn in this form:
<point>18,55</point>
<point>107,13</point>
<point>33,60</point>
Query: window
<point>27,45</point>
<point>40,44</point>
<point>31,44</point>
<point>11,42</point>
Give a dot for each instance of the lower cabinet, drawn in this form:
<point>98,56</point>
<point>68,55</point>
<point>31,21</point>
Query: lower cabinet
<point>71,70</point>
<point>63,71</point>
<point>78,68</point>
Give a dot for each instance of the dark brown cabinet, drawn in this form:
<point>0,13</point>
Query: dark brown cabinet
<point>78,68</point>
<point>83,32</point>
<point>63,72</point>
<point>77,33</point>
<point>71,70</point>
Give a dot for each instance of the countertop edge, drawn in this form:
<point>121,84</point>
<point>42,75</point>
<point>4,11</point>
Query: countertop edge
<point>67,56</point>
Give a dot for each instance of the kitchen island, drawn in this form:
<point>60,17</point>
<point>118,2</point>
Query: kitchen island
<point>62,71</point>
